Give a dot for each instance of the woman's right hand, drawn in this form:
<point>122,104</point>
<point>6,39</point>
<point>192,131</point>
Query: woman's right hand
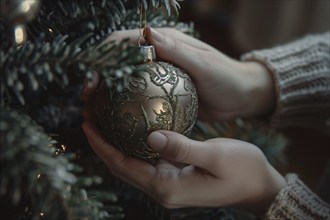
<point>226,88</point>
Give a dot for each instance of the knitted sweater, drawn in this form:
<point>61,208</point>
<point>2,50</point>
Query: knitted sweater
<point>301,72</point>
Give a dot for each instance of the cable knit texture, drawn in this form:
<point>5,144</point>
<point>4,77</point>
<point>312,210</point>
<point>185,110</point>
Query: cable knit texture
<point>296,201</point>
<point>301,72</point>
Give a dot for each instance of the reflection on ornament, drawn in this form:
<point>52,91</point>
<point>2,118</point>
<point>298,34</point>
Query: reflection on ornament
<point>159,97</point>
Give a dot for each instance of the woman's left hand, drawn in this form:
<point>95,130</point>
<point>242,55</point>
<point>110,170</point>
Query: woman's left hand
<point>217,172</point>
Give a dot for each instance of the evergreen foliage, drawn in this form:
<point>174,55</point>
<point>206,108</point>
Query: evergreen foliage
<point>34,172</point>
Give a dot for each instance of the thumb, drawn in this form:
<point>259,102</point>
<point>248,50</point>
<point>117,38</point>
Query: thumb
<point>177,147</point>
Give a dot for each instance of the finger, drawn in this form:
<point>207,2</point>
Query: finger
<point>178,52</point>
<point>136,172</point>
<point>101,147</point>
<point>172,32</point>
<point>177,147</point>
<point>88,111</point>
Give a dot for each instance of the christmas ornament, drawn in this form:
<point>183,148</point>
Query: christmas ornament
<point>160,96</point>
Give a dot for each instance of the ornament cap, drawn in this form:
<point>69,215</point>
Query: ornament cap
<point>148,52</point>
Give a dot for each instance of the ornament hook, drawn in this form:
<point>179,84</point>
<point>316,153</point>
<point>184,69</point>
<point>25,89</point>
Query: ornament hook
<point>139,40</point>
<point>142,29</point>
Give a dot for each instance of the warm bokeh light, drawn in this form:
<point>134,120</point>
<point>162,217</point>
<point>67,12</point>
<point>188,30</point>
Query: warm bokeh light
<point>25,6</point>
<point>20,34</point>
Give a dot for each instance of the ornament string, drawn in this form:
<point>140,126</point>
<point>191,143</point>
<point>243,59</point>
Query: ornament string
<point>143,14</point>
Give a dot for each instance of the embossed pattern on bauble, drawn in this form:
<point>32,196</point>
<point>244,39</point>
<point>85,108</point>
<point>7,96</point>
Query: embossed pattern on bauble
<point>160,96</point>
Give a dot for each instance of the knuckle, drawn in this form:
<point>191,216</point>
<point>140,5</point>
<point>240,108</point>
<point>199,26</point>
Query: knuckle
<point>172,43</point>
<point>169,30</point>
<point>182,150</point>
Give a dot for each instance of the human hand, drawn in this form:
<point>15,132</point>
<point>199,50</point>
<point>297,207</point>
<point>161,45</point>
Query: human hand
<point>226,88</point>
<point>214,173</point>
<point>217,172</point>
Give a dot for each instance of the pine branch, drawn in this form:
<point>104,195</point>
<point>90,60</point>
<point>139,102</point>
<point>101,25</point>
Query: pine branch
<point>90,204</point>
<point>27,164</point>
<point>72,18</point>
<point>131,21</point>
<point>75,18</point>
<point>44,63</point>
<point>169,5</point>
<point>156,20</point>
<point>30,168</point>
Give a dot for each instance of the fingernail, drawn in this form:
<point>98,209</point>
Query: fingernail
<point>156,35</point>
<point>157,141</point>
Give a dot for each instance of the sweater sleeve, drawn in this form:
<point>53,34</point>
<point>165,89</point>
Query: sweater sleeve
<point>296,202</point>
<point>301,72</point>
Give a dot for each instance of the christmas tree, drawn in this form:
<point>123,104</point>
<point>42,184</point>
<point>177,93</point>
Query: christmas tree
<point>49,49</point>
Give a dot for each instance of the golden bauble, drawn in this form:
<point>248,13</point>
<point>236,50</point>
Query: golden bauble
<point>160,97</point>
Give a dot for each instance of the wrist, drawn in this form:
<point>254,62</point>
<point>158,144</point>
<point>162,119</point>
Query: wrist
<point>258,88</point>
<point>272,183</point>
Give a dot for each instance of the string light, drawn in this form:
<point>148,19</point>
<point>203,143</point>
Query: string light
<point>61,150</point>
<point>63,147</point>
